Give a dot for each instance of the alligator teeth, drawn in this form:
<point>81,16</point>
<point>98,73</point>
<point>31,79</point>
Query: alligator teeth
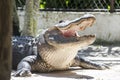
<point>89,35</point>
<point>76,33</point>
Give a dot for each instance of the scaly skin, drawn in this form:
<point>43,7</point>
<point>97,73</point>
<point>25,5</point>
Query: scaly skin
<point>57,48</point>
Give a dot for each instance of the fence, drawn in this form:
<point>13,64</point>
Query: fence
<point>80,5</point>
<point>76,5</point>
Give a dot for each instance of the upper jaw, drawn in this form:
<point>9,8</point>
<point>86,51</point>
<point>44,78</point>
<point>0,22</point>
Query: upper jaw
<point>65,24</point>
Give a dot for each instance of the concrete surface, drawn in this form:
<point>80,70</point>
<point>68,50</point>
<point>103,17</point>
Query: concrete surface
<point>81,74</point>
<point>109,55</point>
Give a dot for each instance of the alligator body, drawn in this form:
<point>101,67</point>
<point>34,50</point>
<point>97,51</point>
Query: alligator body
<point>55,49</point>
<point>21,47</point>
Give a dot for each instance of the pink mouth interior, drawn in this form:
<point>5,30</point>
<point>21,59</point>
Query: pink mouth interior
<point>68,33</point>
<point>71,31</point>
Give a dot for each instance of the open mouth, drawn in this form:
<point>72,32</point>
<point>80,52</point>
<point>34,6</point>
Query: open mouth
<point>73,28</point>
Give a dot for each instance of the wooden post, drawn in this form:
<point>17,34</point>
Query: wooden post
<point>112,6</point>
<point>5,39</point>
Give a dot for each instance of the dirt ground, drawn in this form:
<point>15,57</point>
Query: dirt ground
<point>103,54</point>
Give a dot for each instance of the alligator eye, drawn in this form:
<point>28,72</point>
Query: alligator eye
<point>61,21</point>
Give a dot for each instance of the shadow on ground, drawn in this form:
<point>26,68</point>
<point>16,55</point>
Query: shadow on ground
<point>63,75</point>
<point>66,74</point>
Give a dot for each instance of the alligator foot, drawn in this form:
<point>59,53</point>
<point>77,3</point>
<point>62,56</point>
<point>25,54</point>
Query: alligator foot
<point>87,64</point>
<point>24,67</point>
<point>22,73</point>
<point>102,66</point>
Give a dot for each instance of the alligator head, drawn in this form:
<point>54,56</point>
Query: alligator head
<point>62,41</point>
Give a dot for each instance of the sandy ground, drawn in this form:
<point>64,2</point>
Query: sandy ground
<point>105,54</point>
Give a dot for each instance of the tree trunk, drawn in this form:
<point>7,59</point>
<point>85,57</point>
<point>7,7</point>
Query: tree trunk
<point>5,39</point>
<point>30,23</point>
<point>16,30</point>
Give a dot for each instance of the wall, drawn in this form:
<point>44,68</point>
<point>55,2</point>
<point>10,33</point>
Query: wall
<point>106,27</point>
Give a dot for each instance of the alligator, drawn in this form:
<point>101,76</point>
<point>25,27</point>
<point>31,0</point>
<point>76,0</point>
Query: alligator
<point>55,49</point>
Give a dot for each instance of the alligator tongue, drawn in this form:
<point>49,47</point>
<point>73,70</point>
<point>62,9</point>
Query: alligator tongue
<point>68,33</point>
<point>71,31</point>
